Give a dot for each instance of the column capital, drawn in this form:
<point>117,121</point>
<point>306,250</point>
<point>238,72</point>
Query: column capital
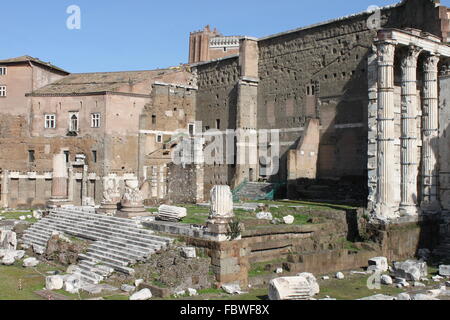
<point>431,62</point>
<point>386,51</point>
<point>409,58</point>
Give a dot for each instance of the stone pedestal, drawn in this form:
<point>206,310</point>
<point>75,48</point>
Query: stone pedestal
<point>111,196</point>
<point>132,204</point>
<point>221,212</point>
<point>109,209</point>
<point>132,212</point>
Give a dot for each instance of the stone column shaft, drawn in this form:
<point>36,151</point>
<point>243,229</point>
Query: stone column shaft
<point>430,127</point>
<point>410,134</point>
<point>386,129</point>
<point>5,189</point>
<point>59,180</point>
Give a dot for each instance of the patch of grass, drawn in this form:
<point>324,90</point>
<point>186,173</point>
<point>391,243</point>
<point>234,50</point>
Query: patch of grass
<point>210,291</point>
<point>351,288</point>
<point>117,297</point>
<point>301,210</point>
<point>433,270</point>
<point>348,244</point>
<point>253,295</point>
<point>196,214</point>
<point>309,204</point>
<point>17,215</point>
<point>259,268</point>
<point>159,284</point>
<point>29,279</point>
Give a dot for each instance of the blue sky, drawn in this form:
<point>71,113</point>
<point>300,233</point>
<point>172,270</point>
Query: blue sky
<point>147,34</point>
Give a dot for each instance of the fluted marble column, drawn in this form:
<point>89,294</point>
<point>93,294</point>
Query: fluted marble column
<point>386,130</point>
<point>430,136</point>
<point>410,133</point>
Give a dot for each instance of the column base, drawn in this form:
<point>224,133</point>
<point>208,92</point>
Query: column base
<point>132,212</point>
<point>56,203</point>
<point>108,209</point>
<point>386,212</point>
<point>409,210</point>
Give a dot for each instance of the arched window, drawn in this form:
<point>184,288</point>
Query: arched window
<point>74,123</point>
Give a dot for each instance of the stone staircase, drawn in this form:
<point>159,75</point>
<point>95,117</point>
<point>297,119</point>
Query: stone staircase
<point>348,189</point>
<point>254,191</point>
<point>118,243</point>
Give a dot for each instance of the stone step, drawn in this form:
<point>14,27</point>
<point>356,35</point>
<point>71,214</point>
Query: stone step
<point>106,230</point>
<point>135,229</point>
<point>92,233</point>
<point>99,216</point>
<point>112,255</point>
<point>131,254</point>
<point>135,226</point>
<point>119,268</point>
<point>122,262</point>
<point>91,267</point>
<point>87,277</point>
<point>105,222</point>
<point>148,249</point>
<point>118,242</point>
<point>36,238</point>
<point>90,274</point>
<point>31,242</point>
<point>108,242</point>
<point>95,267</point>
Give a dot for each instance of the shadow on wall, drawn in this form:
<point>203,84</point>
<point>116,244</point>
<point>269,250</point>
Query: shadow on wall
<point>342,153</point>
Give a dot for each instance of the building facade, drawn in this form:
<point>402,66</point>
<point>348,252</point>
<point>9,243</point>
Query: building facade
<point>81,116</point>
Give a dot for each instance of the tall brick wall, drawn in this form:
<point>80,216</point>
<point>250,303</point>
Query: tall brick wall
<point>217,99</point>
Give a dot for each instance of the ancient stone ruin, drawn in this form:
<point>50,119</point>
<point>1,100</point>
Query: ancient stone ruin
<point>321,151</point>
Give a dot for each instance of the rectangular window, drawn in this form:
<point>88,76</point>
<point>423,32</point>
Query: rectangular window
<point>67,155</point>
<point>153,119</point>
<point>191,129</point>
<point>50,121</point>
<point>31,157</point>
<point>94,156</point>
<point>159,138</point>
<point>2,71</point>
<point>218,124</point>
<point>95,120</point>
<point>2,91</point>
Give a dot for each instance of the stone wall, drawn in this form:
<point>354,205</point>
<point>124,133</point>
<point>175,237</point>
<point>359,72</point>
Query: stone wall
<point>217,100</point>
<point>444,142</point>
<point>184,184</point>
<point>229,260</point>
<point>319,72</point>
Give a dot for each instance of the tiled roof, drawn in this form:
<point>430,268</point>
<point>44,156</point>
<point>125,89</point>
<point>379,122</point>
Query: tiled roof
<point>32,59</point>
<point>83,83</point>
